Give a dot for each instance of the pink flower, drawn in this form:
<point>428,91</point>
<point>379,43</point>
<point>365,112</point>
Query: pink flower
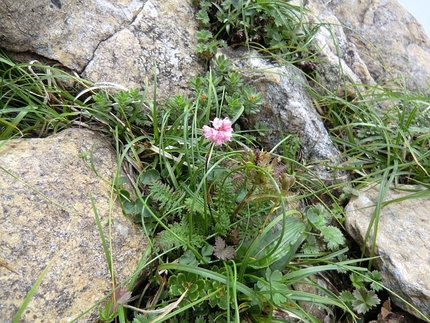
<point>221,131</point>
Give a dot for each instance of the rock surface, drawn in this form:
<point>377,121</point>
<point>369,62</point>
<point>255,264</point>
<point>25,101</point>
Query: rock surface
<point>375,41</point>
<point>66,31</point>
<point>288,107</point>
<point>46,213</point>
<point>402,243</point>
<point>108,41</point>
<point>161,38</point>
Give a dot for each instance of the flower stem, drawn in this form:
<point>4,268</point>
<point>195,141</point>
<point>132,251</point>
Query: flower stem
<point>240,205</point>
<point>207,192</point>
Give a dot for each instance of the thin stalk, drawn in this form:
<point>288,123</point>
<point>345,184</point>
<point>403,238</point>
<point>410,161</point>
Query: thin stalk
<point>241,204</point>
<point>207,193</point>
<point>154,107</point>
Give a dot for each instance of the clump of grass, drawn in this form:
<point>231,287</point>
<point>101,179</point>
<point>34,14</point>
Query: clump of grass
<point>271,26</point>
<point>36,100</point>
<point>375,139</point>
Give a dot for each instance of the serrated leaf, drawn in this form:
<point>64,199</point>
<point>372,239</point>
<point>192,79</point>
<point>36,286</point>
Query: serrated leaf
<point>203,16</point>
<point>169,238</point>
<point>219,244</point>
<point>375,275</point>
<point>194,205</point>
<point>200,319</point>
<point>223,252</point>
<point>364,300</point>
<point>311,246</point>
<point>203,35</point>
<point>347,297</point>
<point>315,217</point>
<point>375,278</point>
<point>333,236</point>
<point>376,287</point>
<point>147,318</point>
<point>356,280</point>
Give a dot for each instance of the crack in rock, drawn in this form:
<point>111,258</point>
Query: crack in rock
<point>123,26</point>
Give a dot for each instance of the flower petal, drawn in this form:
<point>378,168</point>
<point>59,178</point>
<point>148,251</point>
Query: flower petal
<point>221,131</point>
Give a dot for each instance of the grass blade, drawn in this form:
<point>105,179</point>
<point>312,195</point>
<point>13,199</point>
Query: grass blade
<point>31,292</point>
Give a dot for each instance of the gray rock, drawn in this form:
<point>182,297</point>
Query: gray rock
<point>108,41</point>
<point>377,41</point>
<point>402,243</point>
<point>340,64</point>
<point>288,108</point>
<point>46,214</point>
<point>161,38</point>
<point>65,31</point>
<point>401,47</point>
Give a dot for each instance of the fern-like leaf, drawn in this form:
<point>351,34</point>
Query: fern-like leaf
<point>167,197</point>
<point>172,237</point>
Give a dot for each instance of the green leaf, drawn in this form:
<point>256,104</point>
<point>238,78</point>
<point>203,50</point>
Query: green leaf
<point>315,217</point>
<point>107,312</point>
<point>207,252</point>
<point>376,277</point>
<point>190,282</point>
<point>364,300</point>
<point>277,246</point>
<point>149,176</point>
<point>275,276</point>
<point>209,274</point>
<point>133,207</point>
<point>356,280</point>
<point>203,16</point>
<point>311,246</point>
<point>333,236</point>
<point>200,319</point>
<point>195,205</point>
<point>121,180</point>
<point>204,35</point>
<point>147,318</point>
<point>174,237</point>
<point>273,287</point>
<point>188,258</point>
<point>347,297</point>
